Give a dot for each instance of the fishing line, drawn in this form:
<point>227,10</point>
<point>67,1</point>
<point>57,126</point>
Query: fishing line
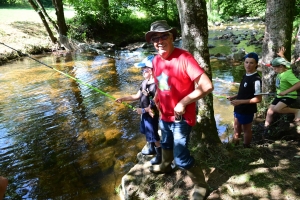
<point>219,96</point>
<point>223,81</point>
<point>71,77</point>
<point>274,94</point>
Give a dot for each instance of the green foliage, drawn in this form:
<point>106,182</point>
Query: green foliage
<point>122,22</point>
<point>23,3</point>
<point>214,17</point>
<point>296,23</point>
<point>227,9</point>
<point>14,3</point>
<point>78,30</point>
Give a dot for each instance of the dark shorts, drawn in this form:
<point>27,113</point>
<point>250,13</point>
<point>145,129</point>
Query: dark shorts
<point>149,127</point>
<point>244,118</point>
<point>286,100</point>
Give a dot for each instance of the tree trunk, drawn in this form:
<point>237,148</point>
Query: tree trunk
<point>194,28</point>
<point>35,7</point>
<point>297,46</point>
<point>46,14</point>
<point>62,26</point>
<point>61,22</point>
<point>278,32</point>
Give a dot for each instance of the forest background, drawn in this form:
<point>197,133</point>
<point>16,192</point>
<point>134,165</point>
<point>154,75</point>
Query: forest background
<point>123,22</point>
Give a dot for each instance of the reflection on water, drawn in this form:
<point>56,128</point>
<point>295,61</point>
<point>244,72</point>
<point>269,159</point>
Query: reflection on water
<point>58,137</point>
<point>62,140</point>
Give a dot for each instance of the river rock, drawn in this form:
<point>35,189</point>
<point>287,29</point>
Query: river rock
<point>140,183</point>
<point>237,56</point>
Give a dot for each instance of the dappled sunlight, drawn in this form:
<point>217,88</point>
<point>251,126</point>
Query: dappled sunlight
<point>268,172</point>
<point>67,139</point>
<point>240,179</point>
<point>260,161</point>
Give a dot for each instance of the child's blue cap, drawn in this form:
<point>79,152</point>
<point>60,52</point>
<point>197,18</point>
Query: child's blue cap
<point>146,62</point>
<point>252,55</point>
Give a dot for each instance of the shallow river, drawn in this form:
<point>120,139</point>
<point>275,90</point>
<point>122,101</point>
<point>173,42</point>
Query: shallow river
<point>60,139</point>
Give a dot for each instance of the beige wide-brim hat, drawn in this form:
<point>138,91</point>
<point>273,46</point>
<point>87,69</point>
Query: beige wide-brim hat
<point>160,26</point>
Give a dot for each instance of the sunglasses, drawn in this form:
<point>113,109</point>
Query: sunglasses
<point>163,37</point>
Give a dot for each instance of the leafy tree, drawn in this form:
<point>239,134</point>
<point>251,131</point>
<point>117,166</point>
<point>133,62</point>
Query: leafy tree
<point>92,11</point>
<point>296,32</point>
<point>167,9</point>
<point>237,8</point>
<point>36,6</point>
<point>193,20</point>
<point>278,32</point>
<point>59,25</point>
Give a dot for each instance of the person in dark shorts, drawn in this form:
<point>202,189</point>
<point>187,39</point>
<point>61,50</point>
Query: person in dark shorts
<point>147,110</point>
<point>287,85</point>
<point>245,101</point>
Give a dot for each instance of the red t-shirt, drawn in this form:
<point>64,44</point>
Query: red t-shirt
<point>174,78</point>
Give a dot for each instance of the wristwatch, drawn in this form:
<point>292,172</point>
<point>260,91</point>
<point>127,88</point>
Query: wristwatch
<point>143,110</point>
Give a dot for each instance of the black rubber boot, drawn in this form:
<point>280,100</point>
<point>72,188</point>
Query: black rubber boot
<point>149,149</point>
<point>200,191</point>
<point>166,163</point>
<point>157,159</point>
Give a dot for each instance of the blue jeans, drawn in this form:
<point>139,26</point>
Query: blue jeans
<point>149,127</point>
<point>175,136</point>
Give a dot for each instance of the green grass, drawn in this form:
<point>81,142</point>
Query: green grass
<point>8,15</point>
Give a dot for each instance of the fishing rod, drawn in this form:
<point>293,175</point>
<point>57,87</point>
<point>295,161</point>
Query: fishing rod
<point>275,94</point>
<point>71,77</point>
<point>223,81</point>
<point>220,96</point>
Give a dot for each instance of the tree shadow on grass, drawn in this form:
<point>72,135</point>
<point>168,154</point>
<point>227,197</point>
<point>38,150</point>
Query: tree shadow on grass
<point>30,28</point>
<point>267,170</point>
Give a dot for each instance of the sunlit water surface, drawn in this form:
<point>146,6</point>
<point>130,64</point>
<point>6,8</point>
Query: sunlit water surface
<point>60,139</point>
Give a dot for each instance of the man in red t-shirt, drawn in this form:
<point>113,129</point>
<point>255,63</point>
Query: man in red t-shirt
<point>176,73</point>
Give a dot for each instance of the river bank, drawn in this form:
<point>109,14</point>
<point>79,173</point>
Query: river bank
<point>26,37</point>
<point>267,171</point>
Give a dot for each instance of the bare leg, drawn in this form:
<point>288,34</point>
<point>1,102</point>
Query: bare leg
<point>247,133</point>
<point>283,109</point>
<point>3,186</point>
<point>237,131</point>
<point>269,116</point>
<point>297,116</point>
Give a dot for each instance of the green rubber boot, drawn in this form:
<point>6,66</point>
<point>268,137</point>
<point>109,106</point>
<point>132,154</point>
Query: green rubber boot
<point>165,166</point>
<point>200,187</point>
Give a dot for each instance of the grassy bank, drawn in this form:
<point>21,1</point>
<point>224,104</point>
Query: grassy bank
<point>22,29</point>
<point>9,15</point>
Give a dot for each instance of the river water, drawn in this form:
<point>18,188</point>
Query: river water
<point>60,139</point>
